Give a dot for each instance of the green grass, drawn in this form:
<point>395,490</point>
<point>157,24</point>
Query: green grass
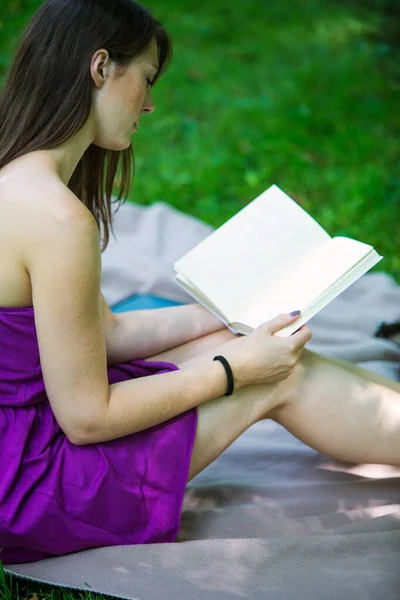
<point>294,97</point>
<point>292,93</point>
<point>261,93</point>
<point>12,588</point>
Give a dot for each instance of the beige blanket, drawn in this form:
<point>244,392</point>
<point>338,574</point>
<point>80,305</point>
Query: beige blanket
<point>270,518</point>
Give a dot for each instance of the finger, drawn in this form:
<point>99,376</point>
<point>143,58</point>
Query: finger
<point>281,321</point>
<point>301,337</point>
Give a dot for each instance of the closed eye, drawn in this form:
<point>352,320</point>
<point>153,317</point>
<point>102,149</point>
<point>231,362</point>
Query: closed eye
<point>149,83</point>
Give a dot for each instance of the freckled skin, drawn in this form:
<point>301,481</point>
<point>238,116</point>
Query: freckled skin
<point>121,95</point>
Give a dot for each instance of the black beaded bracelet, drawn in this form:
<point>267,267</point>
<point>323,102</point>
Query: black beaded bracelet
<point>229,373</point>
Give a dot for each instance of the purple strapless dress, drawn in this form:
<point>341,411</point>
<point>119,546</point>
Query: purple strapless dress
<point>56,497</point>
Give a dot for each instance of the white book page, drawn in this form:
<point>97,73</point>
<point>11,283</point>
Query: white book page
<point>252,251</point>
<point>337,288</point>
<point>197,295</point>
<point>193,291</point>
<point>304,285</point>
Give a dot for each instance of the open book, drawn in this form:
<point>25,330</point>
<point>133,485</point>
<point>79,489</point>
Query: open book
<point>271,257</point>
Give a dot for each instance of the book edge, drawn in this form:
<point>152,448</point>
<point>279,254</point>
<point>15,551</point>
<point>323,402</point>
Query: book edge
<point>362,267</point>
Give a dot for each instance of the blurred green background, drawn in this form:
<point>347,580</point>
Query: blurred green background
<point>301,93</point>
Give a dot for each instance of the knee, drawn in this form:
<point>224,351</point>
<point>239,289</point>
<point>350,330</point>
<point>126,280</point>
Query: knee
<point>290,390</point>
<point>308,357</point>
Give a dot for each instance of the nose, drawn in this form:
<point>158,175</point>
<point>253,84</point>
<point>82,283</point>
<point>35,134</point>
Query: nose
<point>148,106</point>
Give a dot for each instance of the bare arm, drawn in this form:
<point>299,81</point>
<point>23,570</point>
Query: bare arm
<point>64,263</point>
<point>141,333</point>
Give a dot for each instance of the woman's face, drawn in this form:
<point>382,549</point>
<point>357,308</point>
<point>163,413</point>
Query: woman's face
<point>121,95</point>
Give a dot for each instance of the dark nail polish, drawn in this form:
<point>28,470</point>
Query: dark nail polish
<point>295,313</point>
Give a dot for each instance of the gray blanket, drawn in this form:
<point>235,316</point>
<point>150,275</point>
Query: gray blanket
<point>270,518</point>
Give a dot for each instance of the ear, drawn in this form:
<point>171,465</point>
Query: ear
<point>100,67</point>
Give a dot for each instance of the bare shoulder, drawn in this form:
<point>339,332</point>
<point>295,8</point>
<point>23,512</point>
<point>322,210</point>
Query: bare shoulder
<point>39,214</point>
<point>36,204</point>
<point>35,196</point>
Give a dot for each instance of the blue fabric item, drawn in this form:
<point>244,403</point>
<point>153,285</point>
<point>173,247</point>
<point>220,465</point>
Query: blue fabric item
<point>142,301</point>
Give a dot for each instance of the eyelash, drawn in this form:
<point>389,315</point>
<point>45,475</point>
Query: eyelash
<point>149,83</point>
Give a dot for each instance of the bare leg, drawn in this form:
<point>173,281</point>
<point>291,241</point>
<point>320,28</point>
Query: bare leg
<point>223,420</point>
<point>342,410</point>
<point>333,406</point>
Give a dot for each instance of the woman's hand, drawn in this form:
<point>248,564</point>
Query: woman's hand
<point>262,357</point>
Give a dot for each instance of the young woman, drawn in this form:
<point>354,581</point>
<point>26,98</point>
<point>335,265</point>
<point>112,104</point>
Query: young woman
<point>94,449</point>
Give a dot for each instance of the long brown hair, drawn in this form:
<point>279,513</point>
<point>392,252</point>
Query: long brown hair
<point>46,96</point>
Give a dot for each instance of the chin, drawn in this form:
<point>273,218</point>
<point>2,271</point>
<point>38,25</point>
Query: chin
<point>113,144</point>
